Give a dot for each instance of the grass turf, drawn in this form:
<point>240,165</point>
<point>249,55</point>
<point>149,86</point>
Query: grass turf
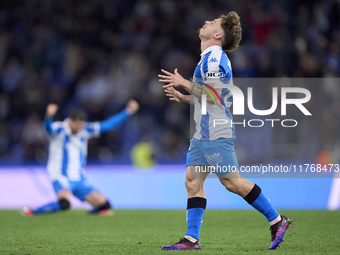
<point>146,231</point>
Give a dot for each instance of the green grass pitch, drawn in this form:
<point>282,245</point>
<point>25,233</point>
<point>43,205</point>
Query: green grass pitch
<point>146,231</point>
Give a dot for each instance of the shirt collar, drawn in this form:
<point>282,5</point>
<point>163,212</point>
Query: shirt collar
<point>210,49</point>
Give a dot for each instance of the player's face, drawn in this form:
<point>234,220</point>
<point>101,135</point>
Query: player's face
<point>76,125</point>
<point>210,29</point>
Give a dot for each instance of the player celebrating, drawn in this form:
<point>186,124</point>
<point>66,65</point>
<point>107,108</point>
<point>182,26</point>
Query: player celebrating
<point>67,158</point>
<point>210,144</point>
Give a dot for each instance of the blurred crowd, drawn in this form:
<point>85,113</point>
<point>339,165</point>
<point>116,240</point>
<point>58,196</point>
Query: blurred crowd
<point>98,54</point>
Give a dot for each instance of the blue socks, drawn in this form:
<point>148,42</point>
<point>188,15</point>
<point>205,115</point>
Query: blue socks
<point>260,202</point>
<point>256,198</point>
<point>52,207</point>
<point>195,211</point>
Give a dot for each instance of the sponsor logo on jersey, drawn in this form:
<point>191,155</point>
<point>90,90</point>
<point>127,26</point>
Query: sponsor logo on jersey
<point>214,75</point>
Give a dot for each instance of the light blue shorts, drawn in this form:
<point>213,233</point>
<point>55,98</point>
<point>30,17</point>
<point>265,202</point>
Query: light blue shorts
<point>219,154</point>
<point>80,189</point>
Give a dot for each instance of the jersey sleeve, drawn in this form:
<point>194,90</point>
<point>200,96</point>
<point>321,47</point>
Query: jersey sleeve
<point>113,121</point>
<point>92,129</point>
<point>53,128</point>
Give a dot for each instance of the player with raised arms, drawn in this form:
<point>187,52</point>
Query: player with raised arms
<point>67,158</point>
<point>211,145</point>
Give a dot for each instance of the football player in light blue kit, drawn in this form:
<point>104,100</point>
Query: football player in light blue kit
<point>214,145</point>
<point>67,158</point>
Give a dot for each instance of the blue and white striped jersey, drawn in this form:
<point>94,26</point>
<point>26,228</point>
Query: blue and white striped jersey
<point>214,65</point>
<point>67,151</point>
